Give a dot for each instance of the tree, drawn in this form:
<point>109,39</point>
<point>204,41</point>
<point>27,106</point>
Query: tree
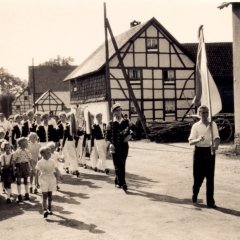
<point>10,87</point>
<point>58,61</point>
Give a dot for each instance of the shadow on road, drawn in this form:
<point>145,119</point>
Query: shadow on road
<point>73,223</point>
<point>72,180</point>
<point>223,210</point>
<point>74,194</point>
<point>174,200</point>
<point>11,210</point>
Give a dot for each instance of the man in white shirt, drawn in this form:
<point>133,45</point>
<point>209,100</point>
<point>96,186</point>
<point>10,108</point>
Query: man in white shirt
<point>204,135</point>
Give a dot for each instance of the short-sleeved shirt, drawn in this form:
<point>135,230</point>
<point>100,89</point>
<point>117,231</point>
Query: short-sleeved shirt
<point>34,150</point>
<point>22,156</point>
<point>46,167</point>
<point>200,129</point>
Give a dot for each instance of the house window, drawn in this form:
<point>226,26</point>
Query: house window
<point>25,98</point>
<point>168,75</point>
<point>17,107</point>
<point>134,74</point>
<point>169,106</point>
<point>152,44</point>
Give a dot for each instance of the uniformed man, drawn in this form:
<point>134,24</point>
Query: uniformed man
<point>117,135</point>
<point>205,136</point>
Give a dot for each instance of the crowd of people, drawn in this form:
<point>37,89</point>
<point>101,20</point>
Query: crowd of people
<point>33,144</point>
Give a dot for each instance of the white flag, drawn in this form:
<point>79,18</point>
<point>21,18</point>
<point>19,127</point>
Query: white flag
<point>206,89</point>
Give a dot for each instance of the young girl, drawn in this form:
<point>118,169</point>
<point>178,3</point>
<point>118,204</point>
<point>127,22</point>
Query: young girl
<point>7,168</point>
<point>46,179</point>
<point>56,157</point>
<point>21,164</point>
<point>33,148</point>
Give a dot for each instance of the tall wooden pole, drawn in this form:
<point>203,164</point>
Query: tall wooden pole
<point>236,72</point>
<point>131,93</point>
<point>107,73</point>
<point>33,84</point>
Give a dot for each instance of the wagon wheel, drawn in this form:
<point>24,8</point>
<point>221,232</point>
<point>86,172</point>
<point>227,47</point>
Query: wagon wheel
<point>225,129</point>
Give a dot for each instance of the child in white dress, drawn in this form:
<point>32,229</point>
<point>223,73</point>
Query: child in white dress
<point>46,179</point>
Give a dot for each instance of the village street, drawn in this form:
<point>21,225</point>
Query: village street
<point>157,206</point>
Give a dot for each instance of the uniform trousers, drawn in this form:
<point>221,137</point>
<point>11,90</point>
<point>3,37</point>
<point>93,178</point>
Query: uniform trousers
<point>101,148</point>
<point>93,153</point>
<point>70,155</point>
<point>204,167</point>
<point>119,161</point>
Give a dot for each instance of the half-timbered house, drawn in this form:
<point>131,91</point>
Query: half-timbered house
<point>160,69</point>
<point>50,77</point>
<point>23,102</point>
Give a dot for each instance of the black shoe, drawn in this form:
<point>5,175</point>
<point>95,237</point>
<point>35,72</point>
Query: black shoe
<point>85,166</point>
<point>107,171</point>
<point>58,188</point>
<point>45,213</point>
<point>95,169</point>
<point>214,206</point>
<point>125,187</point>
<point>81,165</point>
<point>194,198</point>
<point>4,191</point>
<point>19,198</point>
<point>77,174</point>
<point>31,190</point>
<point>26,197</point>
<point>49,212</point>
<point>8,201</point>
<point>67,170</point>
<point>35,191</point>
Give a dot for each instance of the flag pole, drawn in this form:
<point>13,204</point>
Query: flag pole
<point>208,90</point>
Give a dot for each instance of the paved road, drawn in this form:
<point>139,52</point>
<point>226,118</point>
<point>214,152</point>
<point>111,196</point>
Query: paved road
<point>158,205</point>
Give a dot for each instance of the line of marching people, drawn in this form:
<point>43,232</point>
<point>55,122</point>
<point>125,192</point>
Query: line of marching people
<point>33,145</point>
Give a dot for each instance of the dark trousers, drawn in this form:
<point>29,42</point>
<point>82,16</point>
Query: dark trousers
<point>119,161</point>
<point>204,166</point>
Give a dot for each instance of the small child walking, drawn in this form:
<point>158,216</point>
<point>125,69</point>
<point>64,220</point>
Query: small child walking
<point>7,169</point>
<point>46,179</point>
<point>57,158</point>
<point>21,164</point>
<point>33,148</point>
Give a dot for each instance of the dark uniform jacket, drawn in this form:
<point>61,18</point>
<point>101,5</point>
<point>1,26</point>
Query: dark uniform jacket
<point>52,134</point>
<point>16,133</point>
<point>27,128</point>
<point>97,132</point>
<point>117,132</point>
<point>68,137</point>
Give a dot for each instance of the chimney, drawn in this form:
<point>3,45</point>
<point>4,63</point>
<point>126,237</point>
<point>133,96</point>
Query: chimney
<point>134,23</point>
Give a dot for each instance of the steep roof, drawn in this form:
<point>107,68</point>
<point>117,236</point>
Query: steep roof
<point>97,59</point>
<point>219,55</point>
<point>49,77</point>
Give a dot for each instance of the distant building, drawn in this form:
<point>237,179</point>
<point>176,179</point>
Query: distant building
<point>23,102</point>
<point>161,72</point>
<point>51,78</point>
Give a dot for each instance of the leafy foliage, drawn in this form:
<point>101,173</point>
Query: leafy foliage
<point>58,61</point>
<point>9,84</point>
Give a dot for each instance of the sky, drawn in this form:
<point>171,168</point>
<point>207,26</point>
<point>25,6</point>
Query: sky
<point>44,29</point>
